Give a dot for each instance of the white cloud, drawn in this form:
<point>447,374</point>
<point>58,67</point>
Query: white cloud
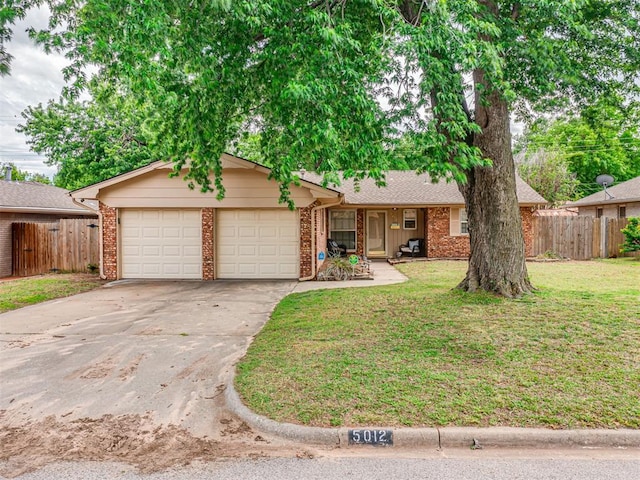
<point>35,78</point>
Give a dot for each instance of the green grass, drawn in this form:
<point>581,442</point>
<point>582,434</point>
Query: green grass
<point>31,290</point>
<point>422,354</point>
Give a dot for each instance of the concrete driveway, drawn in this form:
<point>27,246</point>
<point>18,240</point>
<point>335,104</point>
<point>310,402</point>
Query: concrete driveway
<point>160,349</point>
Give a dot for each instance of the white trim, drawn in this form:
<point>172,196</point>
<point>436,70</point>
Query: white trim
<point>455,224</point>
<point>355,227</point>
<point>367,230</point>
<point>415,218</point>
<point>63,211</point>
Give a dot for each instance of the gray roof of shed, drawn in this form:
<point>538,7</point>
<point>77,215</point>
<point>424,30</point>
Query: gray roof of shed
<point>628,191</point>
<point>26,196</point>
<point>404,187</point>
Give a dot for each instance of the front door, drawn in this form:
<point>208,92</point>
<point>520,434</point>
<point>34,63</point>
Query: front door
<point>376,233</point>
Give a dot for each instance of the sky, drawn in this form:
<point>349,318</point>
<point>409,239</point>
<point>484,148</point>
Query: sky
<point>35,78</point>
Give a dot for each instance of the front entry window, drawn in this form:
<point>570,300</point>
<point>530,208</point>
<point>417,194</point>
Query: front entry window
<point>343,227</point>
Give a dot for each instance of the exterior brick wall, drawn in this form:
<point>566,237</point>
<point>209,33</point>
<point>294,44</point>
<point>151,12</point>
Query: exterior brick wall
<point>6,238</point>
<point>208,244</point>
<point>305,241</point>
<point>440,243</point>
<point>109,267</point>
<point>527,230</point>
<point>360,231</point>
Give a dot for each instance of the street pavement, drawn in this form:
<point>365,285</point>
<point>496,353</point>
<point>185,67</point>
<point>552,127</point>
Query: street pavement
<point>519,465</point>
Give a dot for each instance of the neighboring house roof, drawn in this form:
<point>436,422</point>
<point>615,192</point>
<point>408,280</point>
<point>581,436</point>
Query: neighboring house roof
<point>624,192</point>
<point>33,197</point>
<point>404,187</point>
<point>556,212</point>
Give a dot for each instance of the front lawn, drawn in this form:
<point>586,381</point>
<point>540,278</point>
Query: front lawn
<point>421,354</point>
<point>30,290</point>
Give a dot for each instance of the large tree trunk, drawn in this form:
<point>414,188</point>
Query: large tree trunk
<point>497,260</point>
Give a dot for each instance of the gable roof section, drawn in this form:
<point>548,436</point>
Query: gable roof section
<point>228,161</point>
<point>32,197</point>
<point>628,191</point>
<point>404,187</point>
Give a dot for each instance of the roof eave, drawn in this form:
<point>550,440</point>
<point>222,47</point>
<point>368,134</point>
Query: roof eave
<point>610,201</point>
<point>48,210</point>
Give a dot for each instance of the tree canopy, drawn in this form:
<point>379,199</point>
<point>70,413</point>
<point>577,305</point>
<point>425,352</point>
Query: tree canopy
<point>23,175</point>
<point>92,140</point>
<point>604,138</point>
<point>336,83</point>
<point>311,75</point>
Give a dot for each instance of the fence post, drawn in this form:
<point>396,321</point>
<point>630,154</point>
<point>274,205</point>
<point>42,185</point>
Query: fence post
<point>604,236</point>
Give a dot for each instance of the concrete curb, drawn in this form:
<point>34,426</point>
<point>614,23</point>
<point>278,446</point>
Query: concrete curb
<point>438,438</point>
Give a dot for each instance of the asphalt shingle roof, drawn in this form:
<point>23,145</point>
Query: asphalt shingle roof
<point>32,195</point>
<point>407,188</point>
<point>623,192</point>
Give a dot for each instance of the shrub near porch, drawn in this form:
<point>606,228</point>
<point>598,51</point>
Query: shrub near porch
<point>422,354</point>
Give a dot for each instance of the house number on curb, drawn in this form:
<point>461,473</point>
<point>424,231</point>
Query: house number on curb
<point>370,437</point>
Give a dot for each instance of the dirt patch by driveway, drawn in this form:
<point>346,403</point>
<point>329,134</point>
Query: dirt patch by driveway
<point>133,372</point>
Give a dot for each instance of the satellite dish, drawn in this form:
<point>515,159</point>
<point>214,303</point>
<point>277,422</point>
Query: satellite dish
<point>604,180</point>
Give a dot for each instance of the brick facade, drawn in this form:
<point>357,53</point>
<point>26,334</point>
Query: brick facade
<point>527,230</point>
<point>109,266</point>
<point>440,244</point>
<point>306,262</point>
<point>208,244</point>
<point>360,225</point>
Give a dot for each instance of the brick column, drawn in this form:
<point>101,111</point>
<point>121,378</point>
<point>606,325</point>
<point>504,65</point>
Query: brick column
<point>360,231</point>
<point>527,230</point>
<point>109,242</point>
<point>208,244</point>
<point>305,240</point>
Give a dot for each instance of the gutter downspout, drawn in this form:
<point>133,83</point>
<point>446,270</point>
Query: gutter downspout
<point>313,236</point>
<point>100,249</point>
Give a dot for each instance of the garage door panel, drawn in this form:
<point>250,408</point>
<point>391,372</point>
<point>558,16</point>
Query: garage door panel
<point>161,243</point>
<point>246,250</point>
<point>268,250</point>
<point>246,232</point>
<point>148,215</point>
<point>269,233</point>
<point>192,232</point>
<point>169,233</point>
<point>288,233</point>
<point>257,244</point>
<point>171,251</point>
<point>151,250</point>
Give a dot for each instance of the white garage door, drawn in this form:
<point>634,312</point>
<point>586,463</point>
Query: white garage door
<point>257,244</point>
<point>161,243</point>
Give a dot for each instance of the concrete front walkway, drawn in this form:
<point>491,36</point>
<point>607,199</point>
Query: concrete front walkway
<point>383,274</point>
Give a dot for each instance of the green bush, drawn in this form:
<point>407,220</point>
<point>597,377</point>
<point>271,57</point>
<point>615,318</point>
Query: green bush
<point>631,236</point>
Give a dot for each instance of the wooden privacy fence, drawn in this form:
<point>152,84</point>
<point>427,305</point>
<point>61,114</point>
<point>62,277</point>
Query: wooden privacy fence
<point>68,245</point>
<point>579,237</point>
